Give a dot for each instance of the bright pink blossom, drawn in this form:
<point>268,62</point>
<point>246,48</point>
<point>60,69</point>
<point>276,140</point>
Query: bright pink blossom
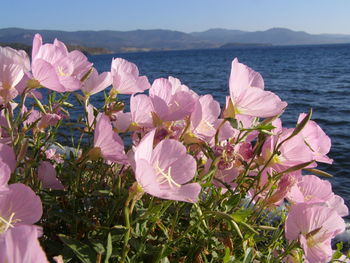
<point>5,174</point>
<point>172,100</point>
<point>20,205</point>
<point>164,171</point>
<point>141,110</point>
<point>317,140</point>
<point>48,119</point>
<point>48,177</point>
<point>126,79</point>
<point>57,69</point>
<point>20,244</point>
<point>108,142</point>
<point>311,189</point>
<point>20,208</point>
<point>204,118</point>
<point>292,152</point>
<point>7,156</point>
<point>13,65</point>
<point>122,121</point>
<point>314,226</point>
<point>96,83</point>
<point>248,96</point>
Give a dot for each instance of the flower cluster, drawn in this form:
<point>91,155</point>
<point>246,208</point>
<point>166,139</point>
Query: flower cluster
<point>177,178</point>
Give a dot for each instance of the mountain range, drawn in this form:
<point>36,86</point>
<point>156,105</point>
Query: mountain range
<point>159,39</point>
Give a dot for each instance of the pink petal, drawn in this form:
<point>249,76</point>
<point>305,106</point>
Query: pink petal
<point>20,244</point>
<point>45,73</point>
<point>126,79</point>
<point>144,149</point>
<point>123,121</point>
<point>172,154</point>
<point>37,43</point>
<point>258,103</point>
<point>141,108</point>
<point>112,147</point>
<point>248,95</point>
<point>47,175</point>
<point>7,156</point>
<point>185,193</point>
<point>23,202</point>
<point>243,77</point>
<point>5,174</point>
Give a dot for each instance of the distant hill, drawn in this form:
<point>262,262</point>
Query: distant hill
<point>274,36</point>
<point>108,41</point>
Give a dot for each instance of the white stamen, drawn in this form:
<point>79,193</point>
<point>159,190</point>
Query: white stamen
<point>166,177</point>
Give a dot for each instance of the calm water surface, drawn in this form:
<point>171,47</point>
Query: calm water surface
<point>316,77</point>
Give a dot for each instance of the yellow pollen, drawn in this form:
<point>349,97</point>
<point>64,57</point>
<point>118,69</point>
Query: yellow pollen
<point>61,72</point>
<point>6,86</point>
<point>166,177</point>
<point>6,224</point>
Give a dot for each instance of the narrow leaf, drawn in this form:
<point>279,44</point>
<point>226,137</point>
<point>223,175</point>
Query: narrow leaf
<point>81,250</point>
<point>319,172</point>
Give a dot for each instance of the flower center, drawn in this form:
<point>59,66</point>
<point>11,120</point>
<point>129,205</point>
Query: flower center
<point>61,71</point>
<point>166,177</point>
<point>6,224</point>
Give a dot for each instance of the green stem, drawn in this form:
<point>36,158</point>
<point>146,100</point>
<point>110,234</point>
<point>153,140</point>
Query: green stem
<point>127,234</point>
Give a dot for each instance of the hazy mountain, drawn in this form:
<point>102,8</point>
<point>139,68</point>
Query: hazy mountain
<point>274,36</point>
<point>158,39</point>
<point>112,40</point>
<point>219,35</point>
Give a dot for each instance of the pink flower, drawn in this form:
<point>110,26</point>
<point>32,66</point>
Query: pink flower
<point>57,69</point>
<point>292,152</point>
<point>171,100</point>
<point>316,139</point>
<point>141,110</point>
<point>13,65</point>
<point>20,205</point>
<point>96,83</point>
<point>248,96</point>
<point>314,226</point>
<point>20,208</point>
<point>126,79</point>
<point>21,244</point>
<point>310,189</point>
<point>5,174</point>
<point>122,121</point>
<point>164,171</point>
<point>107,143</point>
<point>48,177</point>
<point>12,56</point>
<point>7,157</point>
<point>48,119</point>
<point>204,118</point>
<point>52,155</point>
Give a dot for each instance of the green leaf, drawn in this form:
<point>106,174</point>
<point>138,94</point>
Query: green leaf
<point>241,215</point>
<point>227,258</point>
<point>81,250</point>
<point>296,168</point>
<point>319,172</point>
<point>109,248</point>
<point>248,255</point>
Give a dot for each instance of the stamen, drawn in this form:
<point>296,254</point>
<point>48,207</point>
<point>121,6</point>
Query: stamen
<point>166,177</point>
<point>61,72</point>
<point>6,224</point>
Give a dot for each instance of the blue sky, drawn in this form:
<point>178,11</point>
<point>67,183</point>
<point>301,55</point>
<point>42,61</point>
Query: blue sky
<point>313,16</point>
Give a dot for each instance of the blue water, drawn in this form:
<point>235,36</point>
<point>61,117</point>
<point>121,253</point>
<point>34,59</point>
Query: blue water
<point>316,77</point>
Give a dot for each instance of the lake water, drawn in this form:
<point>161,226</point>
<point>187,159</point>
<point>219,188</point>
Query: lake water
<point>316,77</point>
